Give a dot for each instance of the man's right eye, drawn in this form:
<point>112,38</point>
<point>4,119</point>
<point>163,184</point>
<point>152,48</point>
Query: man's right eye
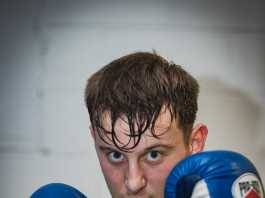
<point>115,156</point>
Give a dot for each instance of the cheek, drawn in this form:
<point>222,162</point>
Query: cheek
<point>158,174</point>
<point>112,174</point>
<point>157,177</point>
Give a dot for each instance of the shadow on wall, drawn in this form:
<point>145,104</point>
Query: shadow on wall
<point>233,117</point>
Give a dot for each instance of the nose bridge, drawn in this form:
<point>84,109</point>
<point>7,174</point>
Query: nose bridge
<point>135,178</point>
<point>134,170</point>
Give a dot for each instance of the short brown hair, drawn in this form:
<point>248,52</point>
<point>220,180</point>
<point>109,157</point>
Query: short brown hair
<point>137,86</point>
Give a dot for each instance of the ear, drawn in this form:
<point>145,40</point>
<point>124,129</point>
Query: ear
<point>198,137</point>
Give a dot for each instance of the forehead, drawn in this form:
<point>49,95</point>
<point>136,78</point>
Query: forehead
<point>165,128</point>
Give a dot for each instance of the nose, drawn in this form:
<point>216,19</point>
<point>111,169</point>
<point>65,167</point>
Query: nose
<point>135,180</point>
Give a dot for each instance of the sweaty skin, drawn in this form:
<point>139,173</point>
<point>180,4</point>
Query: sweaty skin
<point>142,172</point>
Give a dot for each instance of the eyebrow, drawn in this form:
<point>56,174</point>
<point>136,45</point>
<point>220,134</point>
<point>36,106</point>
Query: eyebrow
<point>104,148</point>
<point>158,145</point>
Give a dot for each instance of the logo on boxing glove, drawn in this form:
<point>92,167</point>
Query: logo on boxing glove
<point>247,186</point>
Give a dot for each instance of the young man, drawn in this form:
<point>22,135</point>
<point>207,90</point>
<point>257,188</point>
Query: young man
<point>142,111</point>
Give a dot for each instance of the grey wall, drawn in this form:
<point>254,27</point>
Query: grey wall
<point>49,48</point>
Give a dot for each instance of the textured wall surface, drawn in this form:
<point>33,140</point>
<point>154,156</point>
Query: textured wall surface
<point>49,48</point>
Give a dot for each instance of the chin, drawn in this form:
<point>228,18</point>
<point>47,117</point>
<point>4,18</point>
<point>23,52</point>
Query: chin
<point>139,196</point>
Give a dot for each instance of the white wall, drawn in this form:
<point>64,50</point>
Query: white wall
<point>49,48</point>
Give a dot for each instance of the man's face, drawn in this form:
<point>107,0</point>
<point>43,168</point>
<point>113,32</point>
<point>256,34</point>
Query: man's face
<point>143,171</point>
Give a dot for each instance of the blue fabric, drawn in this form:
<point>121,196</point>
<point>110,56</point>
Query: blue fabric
<point>219,169</point>
<point>186,185</point>
<point>57,190</point>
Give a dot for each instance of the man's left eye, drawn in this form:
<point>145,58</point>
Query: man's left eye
<point>153,156</point>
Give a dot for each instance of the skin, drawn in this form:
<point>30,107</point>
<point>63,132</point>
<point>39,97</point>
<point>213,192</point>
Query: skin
<point>142,172</point>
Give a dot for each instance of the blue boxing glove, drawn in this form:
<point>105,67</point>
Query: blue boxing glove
<point>214,174</point>
<point>57,190</point>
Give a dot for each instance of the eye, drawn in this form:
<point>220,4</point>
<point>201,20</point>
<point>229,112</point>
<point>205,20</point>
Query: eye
<point>153,156</point>
<point>115,156</point>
